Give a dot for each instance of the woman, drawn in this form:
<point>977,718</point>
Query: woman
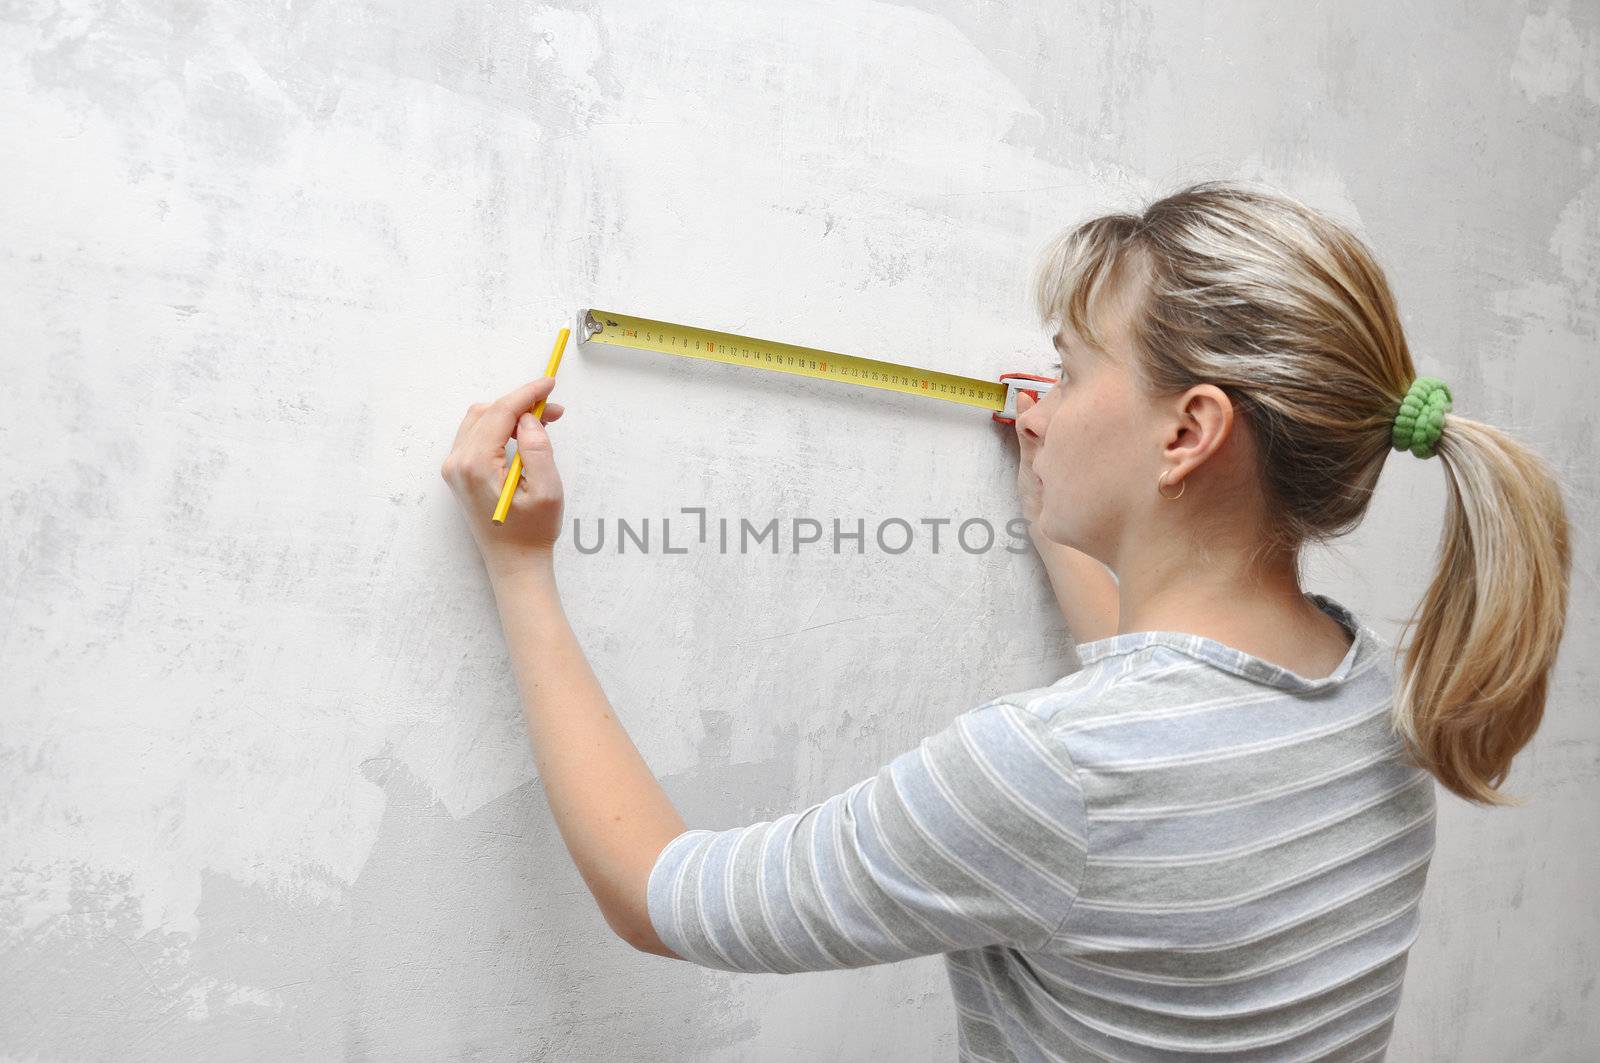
<point>1211,839</point>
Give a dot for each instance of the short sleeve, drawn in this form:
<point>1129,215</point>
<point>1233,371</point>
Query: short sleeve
<point>975,837</point>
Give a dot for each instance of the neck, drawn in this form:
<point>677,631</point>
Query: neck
<point>1218,592</point>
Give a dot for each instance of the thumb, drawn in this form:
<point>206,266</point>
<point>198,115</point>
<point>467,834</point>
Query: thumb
<point>533,441</point>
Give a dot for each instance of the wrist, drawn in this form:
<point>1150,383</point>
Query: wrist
<point>526,565</point>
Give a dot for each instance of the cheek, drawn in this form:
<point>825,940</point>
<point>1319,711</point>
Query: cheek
<point>1087,444</point>
<point>1072,430</point>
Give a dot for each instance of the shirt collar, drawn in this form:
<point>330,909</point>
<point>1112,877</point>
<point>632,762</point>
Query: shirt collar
<point>1237,661</point>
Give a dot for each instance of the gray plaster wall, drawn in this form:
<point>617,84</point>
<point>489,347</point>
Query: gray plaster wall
<point>265,793</point>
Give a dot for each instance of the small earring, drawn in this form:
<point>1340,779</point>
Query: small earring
<point>1181,488</point>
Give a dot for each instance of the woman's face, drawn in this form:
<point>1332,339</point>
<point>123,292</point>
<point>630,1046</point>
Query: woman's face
<point>1096,469</point>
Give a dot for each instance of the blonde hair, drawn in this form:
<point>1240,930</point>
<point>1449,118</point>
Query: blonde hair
<point>1287,312</point>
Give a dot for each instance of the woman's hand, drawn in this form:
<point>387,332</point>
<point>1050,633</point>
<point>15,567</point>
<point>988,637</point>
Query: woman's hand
<point>1027,481</point>
<point>476,468</point>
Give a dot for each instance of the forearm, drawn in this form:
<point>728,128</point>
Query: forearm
<point>1085,589</point>
<point>612,813</point>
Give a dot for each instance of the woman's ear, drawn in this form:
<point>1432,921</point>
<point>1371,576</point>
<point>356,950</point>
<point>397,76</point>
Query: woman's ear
<point>1204,423</point>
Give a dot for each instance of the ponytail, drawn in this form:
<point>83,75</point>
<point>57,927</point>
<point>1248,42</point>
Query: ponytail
<point>1472,686</point>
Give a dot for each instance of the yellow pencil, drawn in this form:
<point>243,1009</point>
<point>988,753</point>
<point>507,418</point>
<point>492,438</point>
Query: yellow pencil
<point>514,473</point>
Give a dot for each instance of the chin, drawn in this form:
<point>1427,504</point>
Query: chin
<point>1062,533</point>
<point>1047,528</point>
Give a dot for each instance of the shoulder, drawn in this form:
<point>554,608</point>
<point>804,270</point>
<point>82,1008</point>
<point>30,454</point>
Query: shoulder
<point>1037,724</point>
<point>1127,683</point>
<point>1124,709</point>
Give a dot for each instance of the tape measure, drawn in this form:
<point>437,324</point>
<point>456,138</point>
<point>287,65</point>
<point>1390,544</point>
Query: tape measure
<point>665,337</point>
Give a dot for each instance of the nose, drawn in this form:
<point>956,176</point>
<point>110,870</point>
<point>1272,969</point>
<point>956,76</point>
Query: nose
<point>1027,418</point>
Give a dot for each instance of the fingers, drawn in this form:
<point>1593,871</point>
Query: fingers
<point>523,398</point>
<point>473,440</point>
<point>497,422</point>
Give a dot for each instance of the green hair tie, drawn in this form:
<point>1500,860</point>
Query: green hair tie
<point>1420,419</point>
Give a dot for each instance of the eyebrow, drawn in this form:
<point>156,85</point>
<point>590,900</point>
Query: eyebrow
<point>1060,347</point>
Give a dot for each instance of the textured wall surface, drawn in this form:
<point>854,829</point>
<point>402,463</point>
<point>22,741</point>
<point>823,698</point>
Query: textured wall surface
<point>264,789</point>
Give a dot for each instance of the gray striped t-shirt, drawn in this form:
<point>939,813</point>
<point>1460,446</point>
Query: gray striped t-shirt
<point>1178,851</point>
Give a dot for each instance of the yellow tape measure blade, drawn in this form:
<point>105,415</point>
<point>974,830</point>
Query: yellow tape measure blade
<point>689,341</point>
